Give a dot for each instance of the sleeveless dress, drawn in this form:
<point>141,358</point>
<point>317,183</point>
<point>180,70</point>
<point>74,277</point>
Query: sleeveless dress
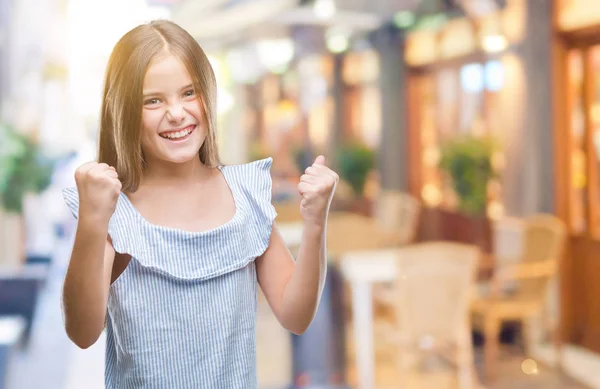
<point>182,314</point>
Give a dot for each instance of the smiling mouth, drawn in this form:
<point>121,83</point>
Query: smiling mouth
<point>178,135</point>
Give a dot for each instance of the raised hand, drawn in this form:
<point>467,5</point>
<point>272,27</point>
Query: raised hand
<point>317,186</point>
<point>99,187</point>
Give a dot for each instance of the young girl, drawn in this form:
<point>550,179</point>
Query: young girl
<point>170,244</point>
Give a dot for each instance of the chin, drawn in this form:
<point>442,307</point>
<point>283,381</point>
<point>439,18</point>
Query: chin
<point>181,158</point>
<point>182,154</point>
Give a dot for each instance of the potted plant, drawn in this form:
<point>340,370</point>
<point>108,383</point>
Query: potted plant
<point>355,161</point>
<point>467,162</point>
<point>23,170</point>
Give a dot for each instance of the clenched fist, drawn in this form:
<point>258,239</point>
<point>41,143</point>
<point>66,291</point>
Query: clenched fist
<point>317,187</point>
<point>99,187</point>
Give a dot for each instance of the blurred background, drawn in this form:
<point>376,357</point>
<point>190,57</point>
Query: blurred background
<point>464,237</point>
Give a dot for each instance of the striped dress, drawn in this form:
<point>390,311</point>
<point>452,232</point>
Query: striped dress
<point>182,314</point>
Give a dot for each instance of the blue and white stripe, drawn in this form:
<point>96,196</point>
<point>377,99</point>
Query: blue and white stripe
<point>182,314</point>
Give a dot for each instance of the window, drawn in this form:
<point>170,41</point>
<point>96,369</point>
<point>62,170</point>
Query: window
<point>584,140</point>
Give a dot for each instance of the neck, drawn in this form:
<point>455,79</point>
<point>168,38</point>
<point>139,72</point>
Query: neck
<point>168,173</point>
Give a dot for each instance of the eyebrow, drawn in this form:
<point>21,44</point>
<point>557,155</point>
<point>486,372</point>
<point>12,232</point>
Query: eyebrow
<point>152,93</point>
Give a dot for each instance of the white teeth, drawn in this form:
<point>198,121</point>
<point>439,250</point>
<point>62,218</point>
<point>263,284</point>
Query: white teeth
<point>177,135</point>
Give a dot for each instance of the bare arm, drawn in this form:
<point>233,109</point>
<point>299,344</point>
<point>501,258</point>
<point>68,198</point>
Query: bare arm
<point>87,282</point>
<point>293,289</point>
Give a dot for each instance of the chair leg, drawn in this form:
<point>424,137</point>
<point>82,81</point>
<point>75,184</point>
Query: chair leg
<point>467,379</point>
<point>558,349</point>
<point>557,343</point>
<point>529,329</point>
<point>491,329</point>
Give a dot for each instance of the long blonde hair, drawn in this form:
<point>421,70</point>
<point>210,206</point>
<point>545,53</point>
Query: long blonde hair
<point>121,115</point>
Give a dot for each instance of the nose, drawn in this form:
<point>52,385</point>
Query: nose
<point>176,113</point>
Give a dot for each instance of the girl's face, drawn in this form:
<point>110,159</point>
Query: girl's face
<point>173,128</point>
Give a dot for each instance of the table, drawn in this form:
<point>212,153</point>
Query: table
<point>362,270</point>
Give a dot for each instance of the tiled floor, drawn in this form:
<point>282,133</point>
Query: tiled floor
<point>510,376</point>
<point>52,362</point>
<point>511,373</point>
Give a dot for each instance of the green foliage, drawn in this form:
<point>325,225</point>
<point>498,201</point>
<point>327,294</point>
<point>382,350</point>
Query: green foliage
<point>23,169</point>
<point>467,161</point>
<point>355,161</point>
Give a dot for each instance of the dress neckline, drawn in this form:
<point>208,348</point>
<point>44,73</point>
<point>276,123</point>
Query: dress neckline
<point>175,230</point>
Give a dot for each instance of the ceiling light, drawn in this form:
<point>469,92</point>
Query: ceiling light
<point>337,43</point>
<point>276,54</point>
<point>494,43</point>
<point>324,9</point>
<point>337,39</point>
